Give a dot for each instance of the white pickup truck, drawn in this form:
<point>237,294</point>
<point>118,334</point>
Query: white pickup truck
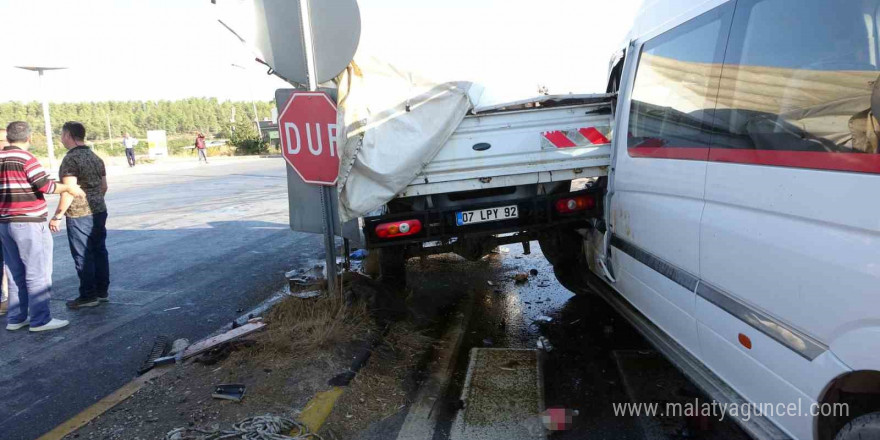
<point>504,176</point>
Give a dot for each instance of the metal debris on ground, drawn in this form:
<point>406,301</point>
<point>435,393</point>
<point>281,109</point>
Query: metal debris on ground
<point>266,427</point>
<point>544,344</point>
<point>229,391</point>
<point>520,278</point>
<point>209,343</point>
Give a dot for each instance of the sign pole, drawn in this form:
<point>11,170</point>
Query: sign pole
<point>326,191</point>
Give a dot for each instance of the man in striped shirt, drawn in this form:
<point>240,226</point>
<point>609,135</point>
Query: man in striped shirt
<point>25,236</point>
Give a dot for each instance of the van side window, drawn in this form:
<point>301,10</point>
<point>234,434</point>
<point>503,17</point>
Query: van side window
<point>675,88</point>
<point>796,86</point>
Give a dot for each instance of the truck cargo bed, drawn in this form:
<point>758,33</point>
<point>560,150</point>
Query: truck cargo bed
<point>548,139</point>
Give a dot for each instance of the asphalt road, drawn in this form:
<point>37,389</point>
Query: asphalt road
<point>190,247</point>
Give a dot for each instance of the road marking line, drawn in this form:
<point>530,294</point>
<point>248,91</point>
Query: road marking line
<point>103,405</point>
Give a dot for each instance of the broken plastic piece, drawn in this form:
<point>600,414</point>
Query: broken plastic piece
<point>231,391</point>
<point>544,344</point>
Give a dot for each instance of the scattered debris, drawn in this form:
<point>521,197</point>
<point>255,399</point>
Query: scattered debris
<point>359,254</point>
<point>160,348</point>
<point>259,427</point>
<point>544,344</point>
<point>543,318</point>
<point>209,343</point>
<point>178,345</point>
<point>173,308</point>
<point>220,352</point>
<point>490,283</point>
<point>534,272</point>
<point>229,391</point>
<point>308,294</point>
<point>520,278</point>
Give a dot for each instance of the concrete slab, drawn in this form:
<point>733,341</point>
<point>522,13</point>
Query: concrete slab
<point>503,396</point>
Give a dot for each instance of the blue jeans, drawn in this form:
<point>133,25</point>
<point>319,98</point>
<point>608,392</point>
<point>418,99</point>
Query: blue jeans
<point>27,257</point>
<point>129,155</point>
<point>87,236</point>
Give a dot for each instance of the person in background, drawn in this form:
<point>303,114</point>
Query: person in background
<point>129,143</point>
<point>86,218</point>
<point>25,236</point>
<point>4,288</point>
<point>201,148</point>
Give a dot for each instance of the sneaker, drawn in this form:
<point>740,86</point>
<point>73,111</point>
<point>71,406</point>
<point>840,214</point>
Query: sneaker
<point>19,326</point>
<point>51,325</point>
<point>79,302</point>
<point>103,299</point>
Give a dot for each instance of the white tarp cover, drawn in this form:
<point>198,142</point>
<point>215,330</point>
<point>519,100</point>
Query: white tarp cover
<point>393,124</point>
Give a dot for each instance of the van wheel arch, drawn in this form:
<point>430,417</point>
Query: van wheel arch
<point>859,390</point>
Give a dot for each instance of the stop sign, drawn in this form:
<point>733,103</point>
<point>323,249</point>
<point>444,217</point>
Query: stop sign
<point>307,127</point>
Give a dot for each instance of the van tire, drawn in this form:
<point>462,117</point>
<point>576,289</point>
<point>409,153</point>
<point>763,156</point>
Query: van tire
<point>864,427</point>
<point>392,264</point>
<point>561,247</point>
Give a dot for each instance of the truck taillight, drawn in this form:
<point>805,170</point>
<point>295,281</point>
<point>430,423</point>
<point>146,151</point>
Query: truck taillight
<point>575,204</point>
<point>398,229</point>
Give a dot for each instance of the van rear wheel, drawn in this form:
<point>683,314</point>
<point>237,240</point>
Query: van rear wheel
<point>861,428</point>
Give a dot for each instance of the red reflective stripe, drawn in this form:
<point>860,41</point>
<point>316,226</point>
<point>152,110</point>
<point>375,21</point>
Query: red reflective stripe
<point>818,160</point>
<point>559,139</point>
<point>858,162</point>
<point>670,152</point>
<point>593,135</point>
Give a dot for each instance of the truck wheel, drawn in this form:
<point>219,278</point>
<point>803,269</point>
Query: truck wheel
<point>561,247</point>
<point>392,264</point>
<point>861,428</point>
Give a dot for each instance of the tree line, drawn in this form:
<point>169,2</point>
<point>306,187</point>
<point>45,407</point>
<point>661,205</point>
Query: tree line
<point>106,118</point>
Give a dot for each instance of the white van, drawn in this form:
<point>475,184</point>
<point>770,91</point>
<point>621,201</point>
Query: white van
<point>741,231</point>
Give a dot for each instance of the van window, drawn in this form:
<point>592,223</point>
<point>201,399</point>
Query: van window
<point>796,85</point>
<point>675,88</point>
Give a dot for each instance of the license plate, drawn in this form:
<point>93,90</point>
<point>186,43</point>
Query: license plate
<point>486,215</point>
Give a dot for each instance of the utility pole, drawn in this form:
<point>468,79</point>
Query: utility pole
<point>253,103</point>
<point>47,124</point>
<point>109,131</point>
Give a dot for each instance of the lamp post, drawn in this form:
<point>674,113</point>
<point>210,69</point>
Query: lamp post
<point>253,103</point>
<point>46,120</point>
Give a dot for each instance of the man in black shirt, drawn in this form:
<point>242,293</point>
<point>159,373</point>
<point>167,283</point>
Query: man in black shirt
<point>86,218</point>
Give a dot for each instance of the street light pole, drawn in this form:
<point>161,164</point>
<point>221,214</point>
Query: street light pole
<point>46,118</point>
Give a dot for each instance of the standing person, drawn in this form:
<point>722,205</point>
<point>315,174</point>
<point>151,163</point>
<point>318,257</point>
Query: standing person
<point>27,242</point>
<point>86,218</point>
<point>200,146</point>
<point>4,289</point>
<point>129,143</point>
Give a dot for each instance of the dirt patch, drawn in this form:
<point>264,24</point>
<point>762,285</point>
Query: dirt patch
<point>306,343</point>
<point>383,387</point>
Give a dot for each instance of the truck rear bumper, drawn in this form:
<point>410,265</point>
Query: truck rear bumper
<point>536,213</point>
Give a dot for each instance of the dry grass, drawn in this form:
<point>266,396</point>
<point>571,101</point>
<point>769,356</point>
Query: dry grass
<point>380,389</point>
<point>314,324</point>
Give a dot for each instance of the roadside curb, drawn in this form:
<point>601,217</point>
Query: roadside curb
<point>421,419</point>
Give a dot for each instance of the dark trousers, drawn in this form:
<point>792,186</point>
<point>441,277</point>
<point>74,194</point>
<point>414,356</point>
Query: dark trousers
<point>129,154</point>
<point>87,236</point>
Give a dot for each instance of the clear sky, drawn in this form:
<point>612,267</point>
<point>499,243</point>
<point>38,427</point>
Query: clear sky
<point>171,49</point>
